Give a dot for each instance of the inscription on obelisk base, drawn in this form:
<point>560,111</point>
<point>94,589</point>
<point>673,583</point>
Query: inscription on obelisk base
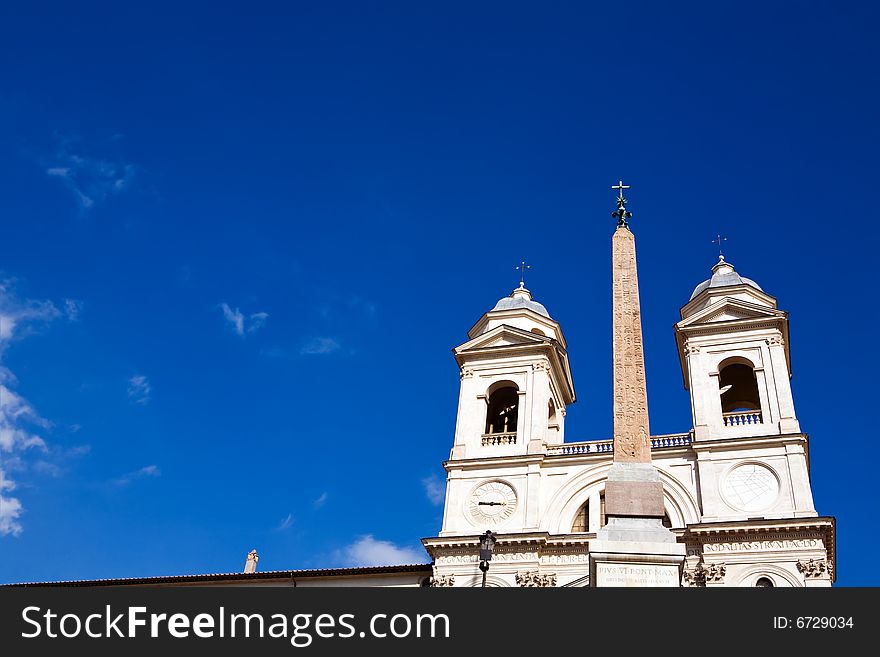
<point>633,548</point>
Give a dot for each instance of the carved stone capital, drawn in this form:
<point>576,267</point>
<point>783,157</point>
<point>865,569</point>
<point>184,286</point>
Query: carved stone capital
<point>691,348</point>
<point>466,373</point>
<point>775,340</point>
<point>541,366</point>
<point>443,580</point>
<point>533,578</point>
<point>813,568</point>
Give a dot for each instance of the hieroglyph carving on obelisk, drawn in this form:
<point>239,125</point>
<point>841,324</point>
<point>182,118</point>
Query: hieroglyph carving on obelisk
<point>632,443</point>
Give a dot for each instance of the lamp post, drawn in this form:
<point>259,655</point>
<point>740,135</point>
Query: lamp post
<point>487,543</point>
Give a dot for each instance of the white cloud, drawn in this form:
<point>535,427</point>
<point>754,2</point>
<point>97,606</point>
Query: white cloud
<point>234,317</point>
<point>143,473</point>
<point>16,415</point>
<point>139,389</point>
<point>320,501</point>
<point>10,509</point>
<point>319,347</point>
<point>91,180</point>
<point>367,551</point>
<point>18,316</point>
<point>434,489</point>
<point>241,324</point>
<point>286,523</point>
<point>19,421</point>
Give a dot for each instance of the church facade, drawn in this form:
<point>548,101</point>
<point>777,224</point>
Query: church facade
<point>736,485</point>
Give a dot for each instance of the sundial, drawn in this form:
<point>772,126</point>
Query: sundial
<point>750,487</point>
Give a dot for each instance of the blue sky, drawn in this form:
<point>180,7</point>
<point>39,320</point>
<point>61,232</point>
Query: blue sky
<point>239,241</point>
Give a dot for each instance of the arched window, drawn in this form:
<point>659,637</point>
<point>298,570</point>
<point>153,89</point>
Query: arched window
<point>538,331</point>
<point>552,417</point>
<point>503,410</point>
<point>582,519</point>
<point>764,581</point>
<point>739,388</point>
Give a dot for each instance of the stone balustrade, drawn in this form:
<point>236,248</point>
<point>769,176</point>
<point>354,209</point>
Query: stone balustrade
<point>742,418</point>
<point>499,439</point>
<point>607,446</point>
<point>672,440</point>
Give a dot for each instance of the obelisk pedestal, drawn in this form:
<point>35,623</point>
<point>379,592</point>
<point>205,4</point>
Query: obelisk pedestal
<point>633,548</point>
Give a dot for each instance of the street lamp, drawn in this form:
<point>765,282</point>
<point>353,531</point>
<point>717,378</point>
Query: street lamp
<point>487,542</point>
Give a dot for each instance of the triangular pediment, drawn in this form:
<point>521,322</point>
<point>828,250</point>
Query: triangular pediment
<point>503,336</point>
<point>731,310</point>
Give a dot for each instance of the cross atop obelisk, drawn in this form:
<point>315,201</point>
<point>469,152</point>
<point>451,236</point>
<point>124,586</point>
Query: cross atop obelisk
<point>621,213</point>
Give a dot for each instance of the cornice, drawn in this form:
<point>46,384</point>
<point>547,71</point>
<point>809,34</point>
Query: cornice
<point>748,442</point>
<point>731,326</point>
<point>474,331</point>
<point>493,461</point>
<point>729,291</point>
<point>817,523</point>
<point>548,347</point>
<point>501,540</point>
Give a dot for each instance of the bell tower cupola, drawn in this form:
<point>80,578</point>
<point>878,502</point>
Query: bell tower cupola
<point>515,381</point>
<point>733,347</point>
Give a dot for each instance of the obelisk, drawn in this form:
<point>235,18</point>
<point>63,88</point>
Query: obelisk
<point>633,548</point>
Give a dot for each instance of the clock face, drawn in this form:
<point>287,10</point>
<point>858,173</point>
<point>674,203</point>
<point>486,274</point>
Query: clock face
<point>491,503</point>
<point>750,487</point>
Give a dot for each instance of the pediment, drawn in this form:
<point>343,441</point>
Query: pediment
<point>730,310</point>
<point>503,336</point>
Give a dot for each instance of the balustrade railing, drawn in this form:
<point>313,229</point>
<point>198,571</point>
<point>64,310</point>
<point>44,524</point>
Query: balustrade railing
<point>499,439</point>
<point>742,418</point>
<point>606,446</point>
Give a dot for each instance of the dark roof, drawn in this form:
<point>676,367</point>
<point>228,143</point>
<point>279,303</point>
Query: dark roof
<point>234,577</point>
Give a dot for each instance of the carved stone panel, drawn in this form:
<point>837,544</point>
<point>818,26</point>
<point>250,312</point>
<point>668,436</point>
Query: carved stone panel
<point>535,579</point>
<point>443,581</point>
<point>813,568</point>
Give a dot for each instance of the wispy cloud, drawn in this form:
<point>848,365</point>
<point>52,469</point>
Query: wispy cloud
<point>146,472</point>
<point>319,346</point>
<point>242,324</point>
<point>139,390</point>
<point>20,316</point>
<point>90,179</point>
<point>320,501</point>
<point>10,508</point>
<point>367,551</point>
<point>20,424</point>
<point>57,459</point>
<point>434,489</point>
<point>286,523</point>
<point>73,309</point>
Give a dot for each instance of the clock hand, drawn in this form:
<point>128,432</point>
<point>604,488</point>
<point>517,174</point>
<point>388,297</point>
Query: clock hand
<point>491,503</point>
